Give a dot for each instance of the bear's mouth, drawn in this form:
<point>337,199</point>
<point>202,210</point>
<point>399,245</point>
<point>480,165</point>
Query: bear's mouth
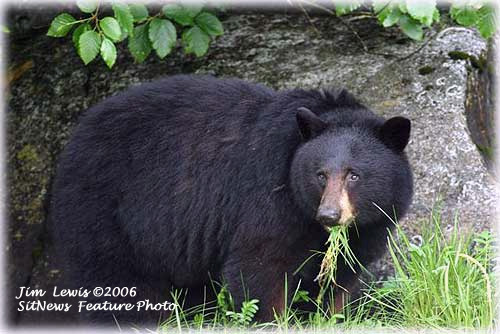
<point>328,217</point>
<point>329,222</point>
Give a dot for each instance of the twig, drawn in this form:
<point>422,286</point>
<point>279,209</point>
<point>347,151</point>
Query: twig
<point>299,3</point>
<point>354,32</point>
<point>360,17</point>
<point>346,23</point>
<point>417,50</point>
<point>365,48</point>
<point>351,29</point>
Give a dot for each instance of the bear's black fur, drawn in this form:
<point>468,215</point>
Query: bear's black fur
<point>188,178</point>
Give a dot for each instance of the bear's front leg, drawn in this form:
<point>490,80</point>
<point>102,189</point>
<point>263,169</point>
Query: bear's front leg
<point>343,294</point>
<point>254,277</point>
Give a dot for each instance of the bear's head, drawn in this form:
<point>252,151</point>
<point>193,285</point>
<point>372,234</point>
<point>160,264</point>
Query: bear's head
<point>351,167</point>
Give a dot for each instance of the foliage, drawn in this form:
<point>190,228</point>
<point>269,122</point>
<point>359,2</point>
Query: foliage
<point>94,35</point>
<point>197,27</point>
<point>212,314</point>
<point>442,279</point>
<point>413,16</point>
<point>244,318</point>
<point>471,14</point>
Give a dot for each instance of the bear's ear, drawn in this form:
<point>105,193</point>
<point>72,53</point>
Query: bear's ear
<point>395,133</point>
<point>310,125</point>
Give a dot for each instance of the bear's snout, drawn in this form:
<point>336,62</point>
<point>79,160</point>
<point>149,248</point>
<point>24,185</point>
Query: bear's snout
<point>328,216</point>
<point>335,207</point>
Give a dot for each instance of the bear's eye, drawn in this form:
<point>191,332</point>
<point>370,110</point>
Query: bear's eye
<point>321,178</point>
<point>353,177</point>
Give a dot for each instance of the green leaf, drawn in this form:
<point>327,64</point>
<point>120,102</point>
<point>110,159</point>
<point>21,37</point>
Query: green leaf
<point>181,14</point>
<point>422,10</point>
<point>88,46</point>
<point>111,28</point>
<point>380,5</point>
<point>124,17</point>
<point>487,24</point>
<point>345,7</point>
<point>195,41</point>
<point>436,16</point>
<point>87,6</point>
<point>163,36</point>
<point>61,25</point>
<point>402,7</point>
<point>210,24</point>
<point>139,44</point>
<point>383,13</point>
<point>392,17</point>
<point>108,52</point>
<point>78,32</point>
<point>139,12</point>
<point>5,29</point>
<point>411,27</point>
<point>123,35</point>
<point>464,15</point>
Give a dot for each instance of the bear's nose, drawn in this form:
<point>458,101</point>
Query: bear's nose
<point>328,216</point>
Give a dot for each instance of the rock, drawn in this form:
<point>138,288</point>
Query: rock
<point>480,101</point>
<point>282,51</point>
<point>25,17</point>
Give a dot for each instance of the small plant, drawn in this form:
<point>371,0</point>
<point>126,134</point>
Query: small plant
<point>475,14</point>
<point>413,16</point>
<point>225,304</point>
<point>212,314</point>
<point>244,318</point>
<point>94,35</point>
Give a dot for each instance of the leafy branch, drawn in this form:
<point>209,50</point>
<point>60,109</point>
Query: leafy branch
<point>413,16</point>
<point>94,35</point>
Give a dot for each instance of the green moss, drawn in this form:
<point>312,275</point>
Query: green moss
<point>478,62</point>
<point>426,70</point>
<point>406,81</point>
<point>28,185</point>
<point>458,55</point>
<point>27,154</point>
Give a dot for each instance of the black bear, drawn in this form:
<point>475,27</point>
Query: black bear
<point>191,178</point>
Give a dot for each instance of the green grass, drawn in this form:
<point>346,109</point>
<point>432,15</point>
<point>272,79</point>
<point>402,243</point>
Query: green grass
<point>446,281</point>
<point>338,246</point>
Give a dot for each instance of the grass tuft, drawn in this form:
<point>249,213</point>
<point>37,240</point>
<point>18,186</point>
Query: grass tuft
<point>444,281</point>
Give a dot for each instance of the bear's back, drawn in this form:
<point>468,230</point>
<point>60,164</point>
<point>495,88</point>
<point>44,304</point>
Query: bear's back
<point>158,161</point>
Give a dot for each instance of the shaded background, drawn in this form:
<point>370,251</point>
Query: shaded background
<point>49,87</point>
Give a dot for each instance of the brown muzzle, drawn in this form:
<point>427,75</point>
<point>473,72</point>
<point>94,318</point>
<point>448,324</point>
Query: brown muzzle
<point>335,207</point>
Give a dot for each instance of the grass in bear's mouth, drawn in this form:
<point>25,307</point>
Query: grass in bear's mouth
<point>445,280</point>
<point>338,246</point>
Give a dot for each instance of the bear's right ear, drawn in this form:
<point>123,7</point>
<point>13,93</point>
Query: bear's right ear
<point>310,125</point>
<point>395,133</point>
